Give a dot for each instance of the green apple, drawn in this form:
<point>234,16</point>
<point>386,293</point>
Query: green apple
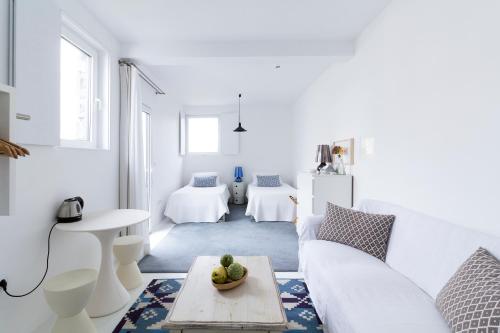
<point>226,260</point>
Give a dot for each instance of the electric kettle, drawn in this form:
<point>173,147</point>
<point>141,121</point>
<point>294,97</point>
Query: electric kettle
<point>70,210</point>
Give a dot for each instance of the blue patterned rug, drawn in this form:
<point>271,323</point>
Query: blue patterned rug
<point>151,308</point>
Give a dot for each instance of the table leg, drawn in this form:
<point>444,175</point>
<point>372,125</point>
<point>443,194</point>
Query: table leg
<point>109,295</point>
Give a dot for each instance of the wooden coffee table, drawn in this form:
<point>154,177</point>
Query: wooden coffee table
<point>254,306</point>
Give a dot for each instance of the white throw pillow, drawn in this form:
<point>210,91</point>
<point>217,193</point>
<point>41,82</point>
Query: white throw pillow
<point>204,174</point>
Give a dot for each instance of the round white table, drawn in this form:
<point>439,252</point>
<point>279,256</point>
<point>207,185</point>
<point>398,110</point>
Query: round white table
<point>109,295</point>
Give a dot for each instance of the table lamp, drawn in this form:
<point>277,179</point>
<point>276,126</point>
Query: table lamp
<point>323,156</point>
<point>238,174</point>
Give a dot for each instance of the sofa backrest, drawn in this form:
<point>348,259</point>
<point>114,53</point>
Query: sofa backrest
<point>428,250</point>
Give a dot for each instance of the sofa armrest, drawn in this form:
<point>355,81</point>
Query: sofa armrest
<point>308,228</point>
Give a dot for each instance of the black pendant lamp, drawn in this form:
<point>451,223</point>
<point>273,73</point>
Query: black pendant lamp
<point>239,128</point>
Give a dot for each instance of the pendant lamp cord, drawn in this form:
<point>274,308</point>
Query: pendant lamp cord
<point>239,108</point>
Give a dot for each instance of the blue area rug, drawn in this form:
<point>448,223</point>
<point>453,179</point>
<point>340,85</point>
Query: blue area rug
<point>237,236</point>
<point>151,308</point>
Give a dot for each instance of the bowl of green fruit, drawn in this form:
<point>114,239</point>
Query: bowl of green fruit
<point>229,274</point>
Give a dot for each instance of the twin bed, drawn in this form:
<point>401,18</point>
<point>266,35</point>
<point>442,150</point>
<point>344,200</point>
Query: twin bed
<point>199,204</point>
<point>271,203</point>
<point>210,203</point>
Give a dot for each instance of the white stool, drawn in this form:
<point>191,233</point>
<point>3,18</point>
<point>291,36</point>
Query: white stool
<point>67,295</point>
<point>126,250</point>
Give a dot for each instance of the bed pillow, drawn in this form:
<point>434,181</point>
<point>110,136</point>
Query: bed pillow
<point>204,174</point>
<point>207,181</point>
<point>255,174</point>
<point>366,232</point>
<point>470,301</point>
<point>268,181</point>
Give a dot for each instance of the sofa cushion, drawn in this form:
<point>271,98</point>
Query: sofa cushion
<point>354,292</point>
<point>447,246</point>
<point>367,232</point>
<point>471,299</point>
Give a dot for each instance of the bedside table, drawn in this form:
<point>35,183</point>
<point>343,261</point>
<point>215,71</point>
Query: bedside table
<point>239,192</point>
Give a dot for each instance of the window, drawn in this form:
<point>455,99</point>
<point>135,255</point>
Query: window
<point>84,119</point>
<point>76,92</point>
<point>203,134</point>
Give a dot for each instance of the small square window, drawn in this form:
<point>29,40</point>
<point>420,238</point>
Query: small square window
<point>203,134</point>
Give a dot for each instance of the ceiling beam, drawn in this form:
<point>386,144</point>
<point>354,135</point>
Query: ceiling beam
<point>184,52</point>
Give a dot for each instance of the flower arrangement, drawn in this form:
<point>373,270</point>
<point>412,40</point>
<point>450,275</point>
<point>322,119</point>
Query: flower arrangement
<point>338,150</point>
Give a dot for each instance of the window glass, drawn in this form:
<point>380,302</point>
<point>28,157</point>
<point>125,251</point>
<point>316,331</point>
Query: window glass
<point>76,92</point>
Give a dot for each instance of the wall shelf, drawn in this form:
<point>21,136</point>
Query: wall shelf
<point>7,165</point>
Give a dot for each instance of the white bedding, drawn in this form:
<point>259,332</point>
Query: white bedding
<point>198,204</point>
<point>271,203</point>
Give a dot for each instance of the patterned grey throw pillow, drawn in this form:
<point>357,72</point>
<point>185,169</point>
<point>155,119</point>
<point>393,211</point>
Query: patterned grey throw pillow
<point>208,181</point>
<point>268,181</point>
<point>366,232</point>
<point>470,301</point>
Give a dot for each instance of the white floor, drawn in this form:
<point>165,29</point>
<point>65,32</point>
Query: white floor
<point>108,323</point>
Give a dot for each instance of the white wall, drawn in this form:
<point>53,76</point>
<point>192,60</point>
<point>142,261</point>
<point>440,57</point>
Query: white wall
<point>424,83</point>
<point>266,146</point>
<point>44,179</point>
<point>165,159</point>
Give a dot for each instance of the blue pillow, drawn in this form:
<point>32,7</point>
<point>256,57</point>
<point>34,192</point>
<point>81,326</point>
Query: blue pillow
<point>268,181</point>
<point>208,181</point>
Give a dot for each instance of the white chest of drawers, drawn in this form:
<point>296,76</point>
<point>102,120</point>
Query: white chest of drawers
<point>314,191</point>
<point>239,193</point>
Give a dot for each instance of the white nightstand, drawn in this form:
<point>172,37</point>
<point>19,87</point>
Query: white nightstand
<point>239,192</point>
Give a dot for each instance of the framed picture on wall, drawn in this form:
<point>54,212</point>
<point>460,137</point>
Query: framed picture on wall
<point>348,150</point>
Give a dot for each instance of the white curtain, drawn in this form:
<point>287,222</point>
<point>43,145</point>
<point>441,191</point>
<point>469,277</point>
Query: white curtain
<point>133,192</point>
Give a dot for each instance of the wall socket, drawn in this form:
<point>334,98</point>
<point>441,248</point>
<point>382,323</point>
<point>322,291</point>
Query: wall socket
<point>3,284</point>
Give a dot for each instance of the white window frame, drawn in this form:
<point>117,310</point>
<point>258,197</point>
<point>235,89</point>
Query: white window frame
<point>188,152</point>
<point>99,91</point>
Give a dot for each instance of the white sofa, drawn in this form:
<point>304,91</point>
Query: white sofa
<point>355,292</point>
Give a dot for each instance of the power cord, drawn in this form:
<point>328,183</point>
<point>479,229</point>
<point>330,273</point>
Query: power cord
<point>3,283</point>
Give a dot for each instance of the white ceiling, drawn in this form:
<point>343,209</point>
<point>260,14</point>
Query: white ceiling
<point>206,51</point>
<point>220,83</point>
<point>160,20</point>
